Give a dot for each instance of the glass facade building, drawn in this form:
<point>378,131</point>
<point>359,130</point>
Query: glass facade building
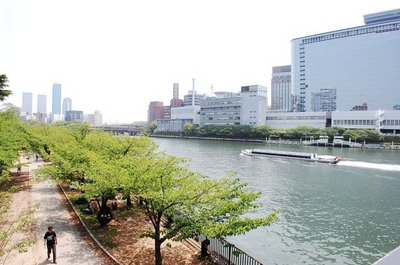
<point>41,104</point>
<point>56,99</point>
<point>67,105</point>
<point>343,69</point>
<point>281,96</point>
<point>27,103</point>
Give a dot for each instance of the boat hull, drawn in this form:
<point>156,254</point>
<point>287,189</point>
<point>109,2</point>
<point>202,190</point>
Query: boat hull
<point>292,155</point>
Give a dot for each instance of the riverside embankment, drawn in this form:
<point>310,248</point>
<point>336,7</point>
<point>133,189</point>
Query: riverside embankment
<point>299,142</point>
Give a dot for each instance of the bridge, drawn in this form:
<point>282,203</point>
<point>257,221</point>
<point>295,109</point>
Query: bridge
<point>129,129</point>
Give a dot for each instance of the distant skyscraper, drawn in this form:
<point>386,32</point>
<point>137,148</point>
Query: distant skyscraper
<point>281,96</point>
<point>27,103</point>
<point>67,105</point>
<point>41,104</point>
<point>56,99</point>
<point>175,101</point>
<point>176,91</point>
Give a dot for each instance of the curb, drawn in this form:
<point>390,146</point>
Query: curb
<point>87,229</point>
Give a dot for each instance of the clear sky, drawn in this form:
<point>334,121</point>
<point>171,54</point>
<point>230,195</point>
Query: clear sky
<point>117,56</point>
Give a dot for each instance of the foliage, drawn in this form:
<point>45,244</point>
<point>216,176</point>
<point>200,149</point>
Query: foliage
<point>190,129</point>
<point>3,84</point>
<point>369,136</point>
<point>14,138</point>
<point>392,138</point>
<point>102,165</point>
<point>151,127</point>
<point>264,132</point>
<point>197,204</point>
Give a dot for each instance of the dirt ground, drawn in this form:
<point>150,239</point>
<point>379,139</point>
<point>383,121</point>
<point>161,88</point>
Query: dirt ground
<point>122,239</point>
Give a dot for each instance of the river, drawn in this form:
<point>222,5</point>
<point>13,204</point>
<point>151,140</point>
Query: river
<point>347,213</point>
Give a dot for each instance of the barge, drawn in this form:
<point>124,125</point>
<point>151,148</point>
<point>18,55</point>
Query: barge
<point>293,155</point>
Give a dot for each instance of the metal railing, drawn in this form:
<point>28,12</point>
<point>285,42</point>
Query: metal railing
<point>228,254</point>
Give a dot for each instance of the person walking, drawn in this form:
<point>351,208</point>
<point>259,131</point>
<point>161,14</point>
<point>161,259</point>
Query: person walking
<point>50,238</point>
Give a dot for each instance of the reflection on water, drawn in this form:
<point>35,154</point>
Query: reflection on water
<point>330,214</point>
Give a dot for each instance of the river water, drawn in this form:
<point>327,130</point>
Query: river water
<point>347,213</point>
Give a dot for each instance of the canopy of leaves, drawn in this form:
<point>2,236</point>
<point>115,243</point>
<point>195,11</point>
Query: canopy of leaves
<point>262,132</point>
<point>103,165</point>
<point>3,84</point>
<point>14,138</point>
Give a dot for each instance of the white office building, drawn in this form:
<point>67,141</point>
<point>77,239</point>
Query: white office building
<point>254,105</point>
<point>221,109</point>
<point>290,120</point>
<point>188,98</point>
<point>186,113</point>
<point>386,121</point>
<point>95,119</point>
<point>343,69</point>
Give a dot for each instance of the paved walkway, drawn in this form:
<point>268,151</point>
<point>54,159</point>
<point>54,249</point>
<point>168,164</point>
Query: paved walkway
<point>71,248</point>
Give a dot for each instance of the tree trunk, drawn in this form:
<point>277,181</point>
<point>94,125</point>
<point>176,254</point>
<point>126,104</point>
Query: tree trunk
<point>103,201</point>
<point>128,201</point>
<point>157,249</point>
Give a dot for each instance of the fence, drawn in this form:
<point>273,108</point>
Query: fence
<point>228,254</point>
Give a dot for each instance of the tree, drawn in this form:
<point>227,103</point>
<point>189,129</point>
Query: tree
<point>190,129</point>
<point>14,137</point>
<point>197,204</point>
<point>3,84</point>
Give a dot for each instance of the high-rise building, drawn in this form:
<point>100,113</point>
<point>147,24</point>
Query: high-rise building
<point>188,99</point>
<point>175,91</point>
<point>27,103</point>
<point>349,66</point>
<point>175,101</point>
<point>155,111</point>
<point>56,99</point>
<point>66,105</point>
<point>281,95</point>
<point>324,100</point>
<point>254,105</point>
<point>41,104</point>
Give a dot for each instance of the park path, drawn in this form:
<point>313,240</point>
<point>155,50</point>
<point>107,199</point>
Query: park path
<point>72,247</point>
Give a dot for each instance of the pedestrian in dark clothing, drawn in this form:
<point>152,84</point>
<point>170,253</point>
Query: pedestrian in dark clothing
<point>50,238</point>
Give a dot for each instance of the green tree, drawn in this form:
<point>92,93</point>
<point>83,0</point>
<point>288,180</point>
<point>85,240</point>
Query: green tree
<point>3,84</point>
<point>197,204</point>
<point>15,139</point>
<point>190,129</point>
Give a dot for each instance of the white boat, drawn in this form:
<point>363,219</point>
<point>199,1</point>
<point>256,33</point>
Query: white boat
<point>293,155</point>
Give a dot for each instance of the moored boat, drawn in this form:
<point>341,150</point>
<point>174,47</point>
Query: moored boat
<point>293,155</point>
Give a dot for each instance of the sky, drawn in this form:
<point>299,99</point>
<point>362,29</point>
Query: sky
<point>117,56</point>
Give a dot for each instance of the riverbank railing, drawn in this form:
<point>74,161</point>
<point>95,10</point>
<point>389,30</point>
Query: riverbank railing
<point>226,253</point>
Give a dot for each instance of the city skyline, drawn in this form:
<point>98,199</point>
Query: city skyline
<point>119,62</point>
